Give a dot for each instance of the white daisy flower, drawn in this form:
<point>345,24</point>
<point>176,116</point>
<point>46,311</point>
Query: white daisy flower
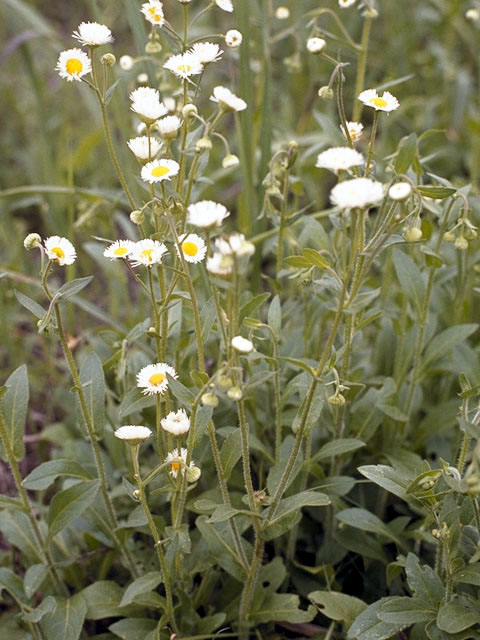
<point>93,34</point>
<point>233,38</point>
<point>220,265</point>
<point>133,434</point>
<point>153,378</point>
<point>400,191</point>
<point>153,12</point>
<point>386,102</point>
<point>316,45</point>
<point>159,170</point>
<point>178,460</point>
<point>119,249</point>
<point>177,423</point>
<point>339,159</point>
<point>356,193</point>
<point>60,250</point>
<point>168,127</point>
<point>235,244</point>
<point>184,65</point>
<point>146,252</point>
<point>206,52</point>
<point>193,247</point>
<point>73,64</point>
<point>207,214</point>
<point>355,129</point>
<point>346,3</point>
<point>242,345</point>
<point>144,149</point>
<point>146,104</point>
<point>226,5</point>
<point>126,63</point>
<point>227,99</point>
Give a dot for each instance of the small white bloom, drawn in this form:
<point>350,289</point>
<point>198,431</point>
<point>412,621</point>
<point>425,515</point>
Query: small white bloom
<point>147,252</point>
<point>206,52</point>
<point>282,13</point>
<point>233,38</point>
<point>356,193</point>
<point>153,378</point>
<point>153,12</point>
<point>144,149</point>
<point>472,14</point>
<point>142,78</point>
<point>73,64</point>
<point>226,5</point>
<point>242,345</point>
<point>386,102</point>
<point>134,434</point>
<point>60,250</point>
<point>93,34</point>
<point>227,99</point>
<point>176,423</point>
<point>400,191</point>
<point>235,244</point>
<point>346,3</point>
<point>207,214</point>
<point>230,161</point>
<point>119,249</point>
<point>339,159</point>
<point>193,247</point>
<point>178,461</point>
<point>316,45</point>
<point>170,103</point>
<point>168,127</point>
<point>126,63</point>
<point>146,104</point>
<point>159,170</point>
<point>219,264</point>
<point>184,65</point>
<point>355,129</point>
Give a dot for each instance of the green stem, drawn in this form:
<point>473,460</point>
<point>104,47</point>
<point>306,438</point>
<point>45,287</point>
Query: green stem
<point>372,142</point>
<point>281,228</point>
<point>362,65</point>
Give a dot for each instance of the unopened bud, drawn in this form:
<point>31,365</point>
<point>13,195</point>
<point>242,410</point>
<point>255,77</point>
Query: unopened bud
<point>189,110</point>
<point>209,400</point>
<point>136,494</point>
<point>470,234</point>
<point>449,236</point>
<point>316,45</point>
<point>230,161</point>
<point>225,382</point>
<point>336,400</point>
<point>233,38</point>
<point>32,241</point>
<point>461,243</point>
<point>282,13</point>
<point>137,217</point>
<point>203,144</point>
<point>326,93</point>
<point>153,47</point>
<point>371,13</point>
<point>235,393</point>
<point>108,59</point>
<point>472,14</point>
<point>412,234</point>
<point>193,474</point>
<point>126,63</point>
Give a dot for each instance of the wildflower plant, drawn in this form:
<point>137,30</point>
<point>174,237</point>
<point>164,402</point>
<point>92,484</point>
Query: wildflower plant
<point>282,309</point>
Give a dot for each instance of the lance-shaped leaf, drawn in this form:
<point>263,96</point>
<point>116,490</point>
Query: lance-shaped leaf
<point>70,504</point>
<point>14,405</point>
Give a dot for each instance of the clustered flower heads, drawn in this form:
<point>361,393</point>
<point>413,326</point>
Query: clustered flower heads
<point>153,379</point>
<point>385,102</point>
<point>153,12</point>
<point>60,250</point>
<point>147,252</point>
<point>176,422</point>
<point>339,159</point>
<point>227,99</point>
<point>235,244</point>
<point>356,193</point>
<point>147,105</point>
<point>206,214</point>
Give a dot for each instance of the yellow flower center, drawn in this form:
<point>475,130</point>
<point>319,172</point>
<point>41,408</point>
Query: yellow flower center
<point>74,66</point>
<point>58,252</point>
<point>159,172</point>
<point>378,102</point>
<point>120,251</point>
<point>190,248</point>
<point>175,466</point>
<point>152,11</point>
<point>157,18</point>
<point>157,379</point>
<point>184,68</point>
<point>147,253</point>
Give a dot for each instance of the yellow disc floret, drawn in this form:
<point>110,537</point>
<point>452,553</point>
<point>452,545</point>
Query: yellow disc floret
<point>74,66</point>
<point>190,248</point>
<point>157,379</point>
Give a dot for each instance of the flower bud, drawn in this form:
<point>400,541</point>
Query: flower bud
<point>326,93</point>
<point>316,45</point>
<point>470,234</point>
<point>209,400</point>
<point>472,14</point>
<point>137,217</point>
<point>412,234</point>
<point>108,59</point>
<point>203,144</point>
<point>282,13</point>
<point>32,241</point>
<point>153,47</point>
<point>235,393</point>
<point>193,474</point>
<point>233,38</point>
<point>461,243</point>
<point>225,382</point>
<point>230,161</point>
<point>400,191</point>
<point>142,78</point>
<point>336,400</point>
<point>449,236</point>
<point>136,494</point>
<point>126,63</point>
<point>189,110</point>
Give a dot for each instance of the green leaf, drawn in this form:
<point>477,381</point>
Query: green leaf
<point>14,405</point>
<point>405,610</point>
<point>66,622</point>
<point>48,605</point>
<point>148,582</point>
<point>424,581</point>
<point>283,607</point>
<point>133,628</point>
<point>386,477</point>
<point>34,576</point>
<point>337,606</point>
<point>37,310</point>
<point>70,289</point>
<point>298,262</point>
<point>406,153</point>
<point>181,392</point>
<point>437,193</point>
<point>454,617</point>
<point>93,384</point>
<point>368,626</point>
<point>288,512</point>
<point>103,601</point>
<point>12,583</point>
<point>208,624</point>
<point>366,521</point>
<point>410,278</point>
<point>111,89</point>
<point>337,448</point>
<point>468,575</point>
<point>221,545</point>
<point>70,504</point>
<point>134,401</point>
<point>315,258</point>
<point>18,530</point>
<point>231,452</point>
<point>45,474</point>
<point>440,345</point>
<point>252,305</point>
<point>274,315</point>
